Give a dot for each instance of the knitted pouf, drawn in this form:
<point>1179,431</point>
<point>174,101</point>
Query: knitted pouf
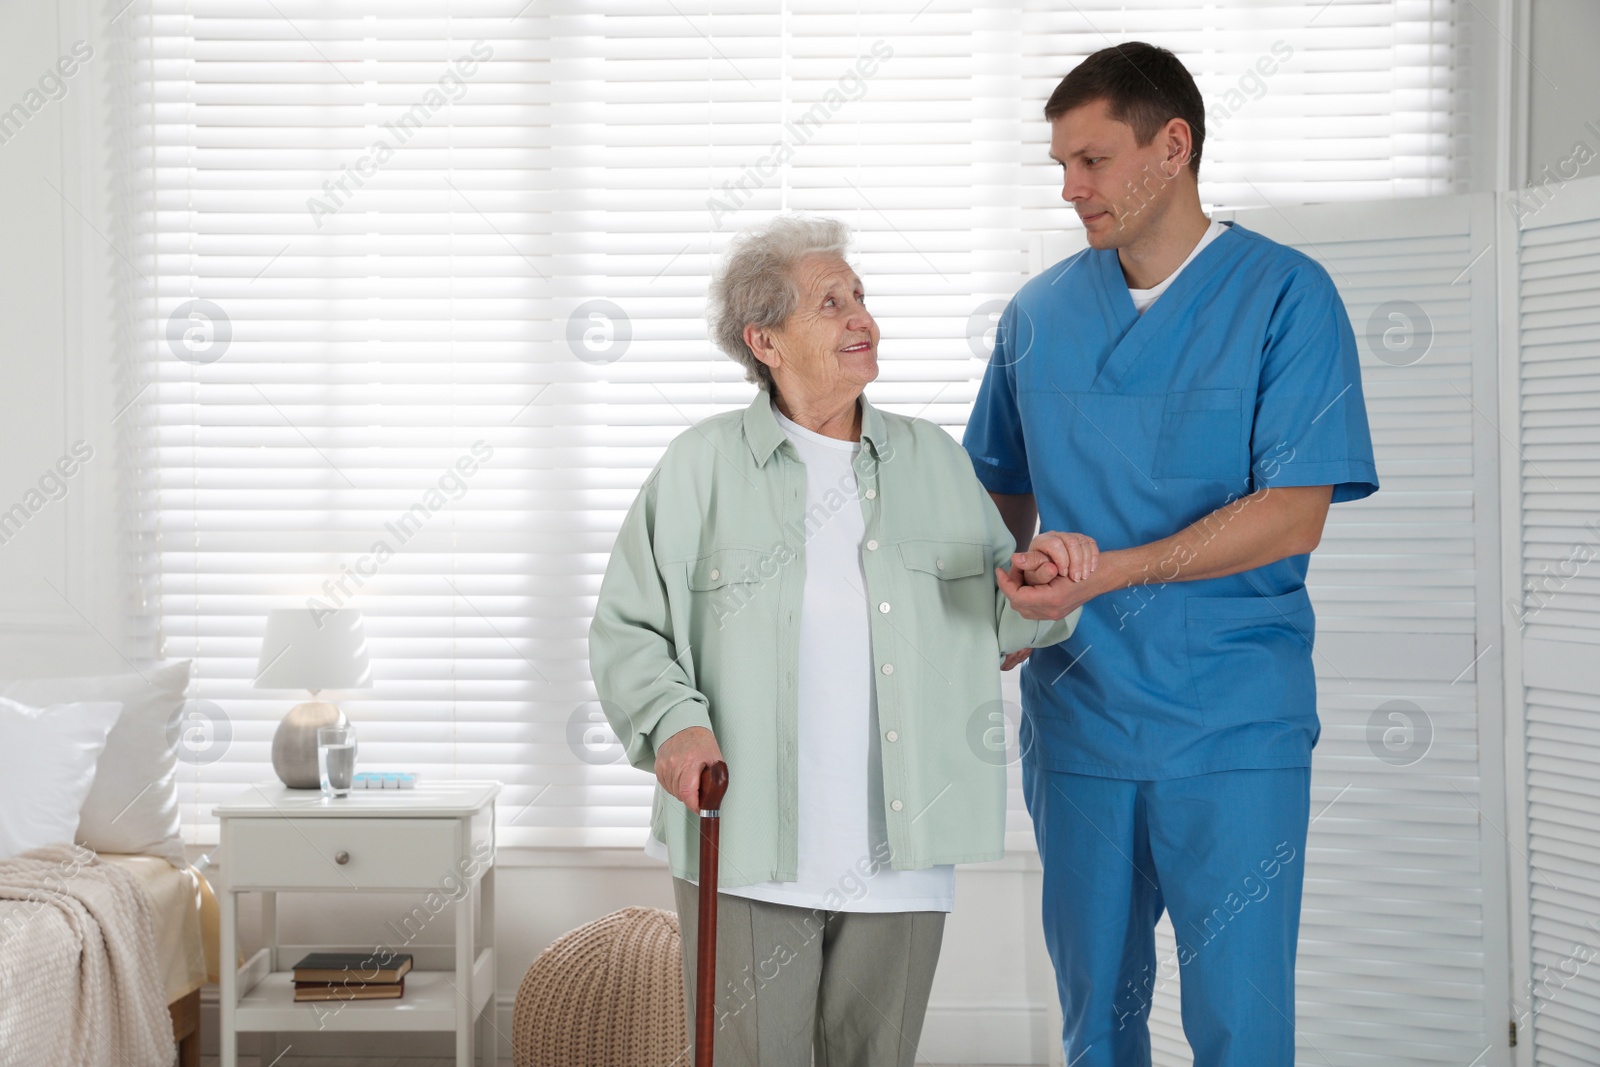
<point>608,994</point>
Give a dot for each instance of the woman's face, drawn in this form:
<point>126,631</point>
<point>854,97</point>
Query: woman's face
<point>828,348</point>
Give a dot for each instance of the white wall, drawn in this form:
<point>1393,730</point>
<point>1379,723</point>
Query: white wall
<point>59,587</point>
<point>1563,92</point>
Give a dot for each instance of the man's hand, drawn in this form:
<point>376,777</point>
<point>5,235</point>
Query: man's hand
<point>1077,555</point>
<point>681,758</point>
<point>1073,554</point>
<point>1057,572</point>
<point>1053,600</point>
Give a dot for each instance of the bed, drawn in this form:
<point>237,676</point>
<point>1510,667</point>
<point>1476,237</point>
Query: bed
<point>186,939</point>
<point>102,958</point>
<point>104,943</point>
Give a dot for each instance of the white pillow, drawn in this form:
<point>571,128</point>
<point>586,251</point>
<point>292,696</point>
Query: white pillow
<point>133,806</point>
<point>47,764</point>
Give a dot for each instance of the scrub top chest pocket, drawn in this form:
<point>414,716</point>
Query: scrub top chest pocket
<point>1202,436</point>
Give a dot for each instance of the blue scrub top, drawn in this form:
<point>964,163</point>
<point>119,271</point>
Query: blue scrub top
<point>1242,375</point>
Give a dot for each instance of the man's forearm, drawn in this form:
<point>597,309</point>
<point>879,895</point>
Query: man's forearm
<point>1250,532</point>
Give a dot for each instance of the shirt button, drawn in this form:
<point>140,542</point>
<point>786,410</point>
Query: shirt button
<point>939,563</point>
<point>872,546</point>
<point>872,494</point>
<point>896,805</point>
<point>884,607</point>
<point>891,736</point>
<point>888,668</point>
<point>715,575</point>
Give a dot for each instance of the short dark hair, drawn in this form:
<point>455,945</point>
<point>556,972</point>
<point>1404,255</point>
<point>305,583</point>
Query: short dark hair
<point>1145,86</point>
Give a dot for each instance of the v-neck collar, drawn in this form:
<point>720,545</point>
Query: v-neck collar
<point>1137,330</point>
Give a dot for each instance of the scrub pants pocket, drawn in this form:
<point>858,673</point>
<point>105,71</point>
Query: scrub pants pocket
<point>1250,656</point>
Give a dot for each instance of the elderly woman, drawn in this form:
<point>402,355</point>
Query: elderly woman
<point>810,589</point>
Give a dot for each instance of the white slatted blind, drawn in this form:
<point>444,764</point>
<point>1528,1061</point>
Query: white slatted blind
<point>1558,292</point>
<point>1394,963</point>
<point>1305,102</point>
<point>388,309</point>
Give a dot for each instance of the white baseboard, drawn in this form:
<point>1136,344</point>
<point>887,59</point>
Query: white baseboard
<point>953,1034</point>
<point>989,1034</point>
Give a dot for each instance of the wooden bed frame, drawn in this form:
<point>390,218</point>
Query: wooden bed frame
<point>186,1028</point>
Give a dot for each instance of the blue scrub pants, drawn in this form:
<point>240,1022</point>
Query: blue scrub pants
<point>1225,854</point>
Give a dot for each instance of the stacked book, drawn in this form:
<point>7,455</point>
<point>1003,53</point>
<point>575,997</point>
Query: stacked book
<point>351,976</point>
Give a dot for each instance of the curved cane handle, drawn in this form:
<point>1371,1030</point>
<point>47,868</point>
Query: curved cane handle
<point>713,786</point>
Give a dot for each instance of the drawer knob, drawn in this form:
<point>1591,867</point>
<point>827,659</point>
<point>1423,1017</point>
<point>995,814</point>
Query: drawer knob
<point>341,857</point>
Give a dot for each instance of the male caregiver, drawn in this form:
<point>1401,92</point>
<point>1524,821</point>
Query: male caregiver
<point>1187,393</point>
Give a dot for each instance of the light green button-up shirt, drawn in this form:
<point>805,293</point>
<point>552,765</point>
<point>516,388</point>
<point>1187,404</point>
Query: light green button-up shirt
<point>698,625</point>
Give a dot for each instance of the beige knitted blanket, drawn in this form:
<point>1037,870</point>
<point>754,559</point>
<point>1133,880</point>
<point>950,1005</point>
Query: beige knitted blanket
<point>80,985</point>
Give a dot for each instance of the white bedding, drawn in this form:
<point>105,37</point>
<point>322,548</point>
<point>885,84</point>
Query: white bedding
<point>80,980</point>
<point>175,902</point>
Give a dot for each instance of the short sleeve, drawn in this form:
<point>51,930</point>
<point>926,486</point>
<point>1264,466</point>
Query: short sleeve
<point>994,437</point>
<point>1310,423</point>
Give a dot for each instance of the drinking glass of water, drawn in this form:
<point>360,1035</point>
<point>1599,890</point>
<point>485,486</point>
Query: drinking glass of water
<point>336,759</point>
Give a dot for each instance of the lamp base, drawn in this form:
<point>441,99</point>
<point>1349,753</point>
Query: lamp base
<point>294,746</point>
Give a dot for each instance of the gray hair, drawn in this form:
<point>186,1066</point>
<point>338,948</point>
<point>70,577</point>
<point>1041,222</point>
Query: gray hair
<point>754,284</point>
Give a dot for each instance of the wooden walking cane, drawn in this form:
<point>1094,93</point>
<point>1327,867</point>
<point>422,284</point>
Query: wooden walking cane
<point>713,784</point>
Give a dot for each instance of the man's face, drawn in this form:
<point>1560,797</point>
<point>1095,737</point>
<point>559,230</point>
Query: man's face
<point>1118,188</point>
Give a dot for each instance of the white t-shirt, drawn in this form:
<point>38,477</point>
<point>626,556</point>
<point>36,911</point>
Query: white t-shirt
<point>1143,298</point>
<point>843,863</point>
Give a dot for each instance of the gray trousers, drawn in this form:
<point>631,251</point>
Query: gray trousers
<point>850,988</point>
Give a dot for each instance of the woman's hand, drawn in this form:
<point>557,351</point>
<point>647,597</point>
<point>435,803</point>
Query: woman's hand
<point>1015,658</point>
<point>681,758</point>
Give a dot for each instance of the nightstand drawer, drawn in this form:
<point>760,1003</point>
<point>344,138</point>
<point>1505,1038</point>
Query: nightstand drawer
<point>307,853</point>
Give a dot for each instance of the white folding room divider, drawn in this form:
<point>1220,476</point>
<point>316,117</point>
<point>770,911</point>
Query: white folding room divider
<point>1551,453</point>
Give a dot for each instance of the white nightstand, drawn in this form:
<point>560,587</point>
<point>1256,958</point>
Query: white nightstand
<point>436,841</point>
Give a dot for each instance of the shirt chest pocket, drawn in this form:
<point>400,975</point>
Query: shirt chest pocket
<point>1202,436</point>
<point>946,560</point>
<point>945,600</point>
<point>728,583</point>
<point>728,566</point>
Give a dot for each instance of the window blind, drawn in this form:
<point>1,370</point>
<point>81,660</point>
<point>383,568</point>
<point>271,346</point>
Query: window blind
<point>1305,102</point>
<point>365,243</point>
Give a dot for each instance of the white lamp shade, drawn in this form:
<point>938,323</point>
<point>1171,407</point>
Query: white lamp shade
<point>308,649</point>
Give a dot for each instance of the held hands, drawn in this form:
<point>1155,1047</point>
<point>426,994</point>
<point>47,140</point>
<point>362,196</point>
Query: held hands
<point>1073,554</point>
<point>1055,574</point>
<point>681,758</point>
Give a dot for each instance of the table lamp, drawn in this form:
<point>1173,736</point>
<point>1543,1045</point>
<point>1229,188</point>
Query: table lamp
<point>313,649</point>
